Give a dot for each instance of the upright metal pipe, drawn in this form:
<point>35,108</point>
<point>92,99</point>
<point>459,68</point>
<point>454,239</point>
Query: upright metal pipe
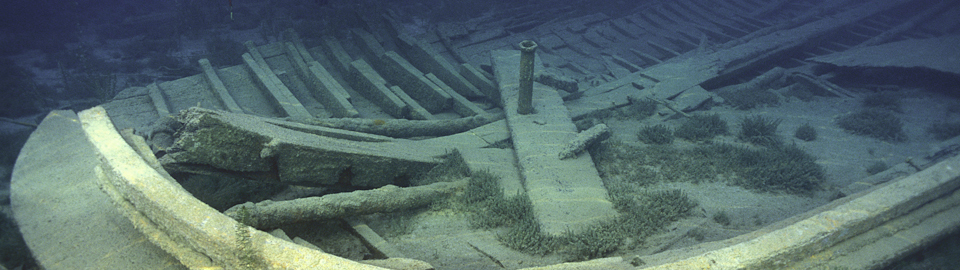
<point>525,100</point>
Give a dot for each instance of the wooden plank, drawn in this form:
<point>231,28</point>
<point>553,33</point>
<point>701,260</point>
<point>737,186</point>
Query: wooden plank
<point>567,195</point>
<point>213,80</point>
<point>242,85</point>
<point>626,28</point>
<point>373,239</point>
<point>624,63</point>
<point>613,69</point>
<point>398,71</point>
<point>366,81</point>
<point>477,78</point>
<point>267,51</point>
<point>280,94</point>
<point>331,91</point>
<point>416,111</point>
<point>460,104</point>
<point>294,38</point>
<point>663,49</point>
<point>369,45</point>
<point>646,57</point>
<point>429,61</point>
<point>335,52</point>
<point>717,36</point>
<point>187,92</point>
<point>159,102</point>
<point>328,93</point>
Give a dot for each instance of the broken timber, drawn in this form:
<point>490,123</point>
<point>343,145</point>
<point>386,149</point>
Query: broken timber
<point>293,153</point>
<point>197,235</point>
<point>385,199</point>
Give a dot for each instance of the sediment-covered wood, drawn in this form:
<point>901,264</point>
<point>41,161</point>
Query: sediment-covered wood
<point>293,153</point>
<point>270,214</point>
<point>403,128</point>
<point>583,140</point>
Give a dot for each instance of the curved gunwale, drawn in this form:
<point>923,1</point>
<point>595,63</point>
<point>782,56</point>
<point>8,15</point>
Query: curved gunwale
<point>202,229</point>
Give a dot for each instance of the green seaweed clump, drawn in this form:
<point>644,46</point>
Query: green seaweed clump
<point>702,127</point>
<point>248,258</point>
<point>875,123</point>
<point>759,130</point>
<point>452,168</point>
<point>490,209</point>
<point>642,166</point>
<point>785,168</point>
<point>806,132</point>
<point>882,101</point>
<point>658,134</point>
<point>642,214</point>
<point>641,108</point>
<point>722,218</point>
<point>523,233</point>
<point>482,185</point>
